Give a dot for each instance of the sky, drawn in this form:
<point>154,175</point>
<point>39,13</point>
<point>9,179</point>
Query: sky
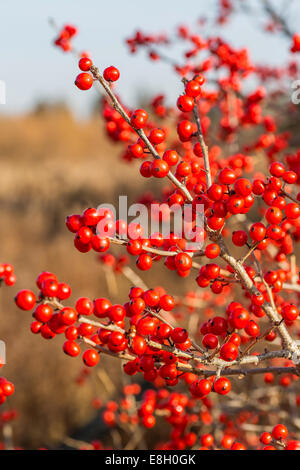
<point>34,71</point>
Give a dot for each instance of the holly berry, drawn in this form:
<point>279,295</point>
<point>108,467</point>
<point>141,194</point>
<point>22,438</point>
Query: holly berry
<point>212,251</point>
<point>85,64</point>
<point>159,168</point>
<point>185,103</point>
<point>210,341</point>
<point>111,74</point>
<point>90,357</point>
<point>257,231</point>
<point>229,352</point>
<point>84,81</point>
<point>279,432</point>
<point>193,88</point>
<point>179,335</point>
<point>71,348</point>
<point>222,386</point>
<point>25,299</point>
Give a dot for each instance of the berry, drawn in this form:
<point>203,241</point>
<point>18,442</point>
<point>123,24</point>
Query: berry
<point>167,303</point>
<point>229,352</point>
<point>171,157</point>
<point>85,64</point>
<point>159,168</point>
<point>210,341</point>
<point>179,335</point>
<point>222,386</point>
<point>212,251</point>
<point>25,299</point>
<point>257,231</point>
<point>144,262</point>
<point>139,118</point>
<point>239,238</point>
<point>185,103</point>
<point>71,348</point>
<point>279,432</point>
<point>157,136</point>
<point>84,81</point>
<point>90,357</point>
<point>193,88</point>
<point>111,74</point>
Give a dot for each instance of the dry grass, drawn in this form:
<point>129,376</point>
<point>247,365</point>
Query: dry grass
<point>52,166</point>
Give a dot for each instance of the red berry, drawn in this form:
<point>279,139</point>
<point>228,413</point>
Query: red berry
<point>101,307</point>
<point>71,348</point>
<point>229,352</point>
<point>200,388</point>
<point>139,118</point>
<point>227,176</point>
<point>277,169</point>
<point>111,74</point>
<point>210,341</point>
<point>257,231</point>
<point>171,157</point>
<point>243,187</point>
<point>179,335</point>
<point>116,313</point>
<point>159,168</point>
<point>84,306</point>
<point>239,237</point>
<point>185,130</point>
<point>290,312</point>
<point>212,251</point>
<point>252,329</point>
<point>85,64</point>
<point>25,299</point>
<point>43,313</point>
<point>193,88</point>
<point>144,262</point>
<point>183,261</point>
<point>138,345</point>
<point>290,177</point>
<point>157,136</point>
<point>265,438</point>
<point>292,210</point>
<point>274,215</point>
<point>90,357</point>
<point>167,303</point>
<point>84,81</point>
<point>222,386</point>
<point>185,103</point>
<point>279,432</point>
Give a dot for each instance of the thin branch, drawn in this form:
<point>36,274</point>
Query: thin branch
<point>118,107</point>
<point>203,146</point>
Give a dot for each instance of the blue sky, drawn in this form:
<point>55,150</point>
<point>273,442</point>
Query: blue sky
<point>34,70</point>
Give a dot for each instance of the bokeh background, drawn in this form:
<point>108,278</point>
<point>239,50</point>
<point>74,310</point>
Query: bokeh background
<point>56,160</point>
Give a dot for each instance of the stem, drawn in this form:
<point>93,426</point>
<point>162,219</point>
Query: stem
<point>203,146</point>
<point>118,107</point>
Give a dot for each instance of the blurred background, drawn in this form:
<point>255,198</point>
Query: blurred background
<point>56,160</point>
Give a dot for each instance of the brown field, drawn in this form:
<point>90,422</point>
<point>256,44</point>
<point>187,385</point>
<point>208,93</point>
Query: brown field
<point>51,166</point>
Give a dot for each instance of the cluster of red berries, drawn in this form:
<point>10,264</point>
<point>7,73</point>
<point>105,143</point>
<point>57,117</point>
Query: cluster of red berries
<point>278,435</point>
<point>135,330</point>
<point>92,229</point>
<point>84,80</point>
<point>117,263</point>
<point>7,274</point>
<point>65,36</point>
<point>6,389</point>
<point>123,412</point>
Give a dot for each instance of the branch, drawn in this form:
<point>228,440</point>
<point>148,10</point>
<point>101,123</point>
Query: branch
<point>203,146</point>
<point>118,107</point>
